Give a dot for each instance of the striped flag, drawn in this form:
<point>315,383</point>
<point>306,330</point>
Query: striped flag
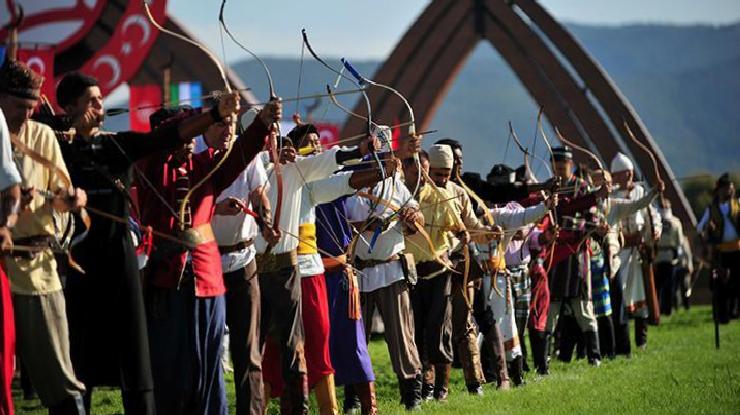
<point>186,93</point>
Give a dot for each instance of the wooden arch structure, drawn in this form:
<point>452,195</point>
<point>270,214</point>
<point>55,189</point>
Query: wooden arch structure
<point>581,100</point>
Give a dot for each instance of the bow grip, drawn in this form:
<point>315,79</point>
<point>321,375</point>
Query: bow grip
<point>353,71</point>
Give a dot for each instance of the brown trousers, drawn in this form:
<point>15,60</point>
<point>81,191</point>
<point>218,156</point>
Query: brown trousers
<point>465,332</point>
<point>394,305</point>
<point>433,319</point>
<point>282,320</point>
<point>243,318</point>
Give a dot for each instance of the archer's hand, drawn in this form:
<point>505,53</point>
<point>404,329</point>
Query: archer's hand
<point>6,239</point>
<point>411,218</point>
<point>392,166</point>
<point>494,233</point>
<point>409,146</point>
<point>26,198</point>
<point>66,200</point>
<point>228,105</point>
<point>230,206</point>
<point>552,201</point>
<point>272,112</point>
<point>661,187</point>
<point>369,145</point>
<point>89,120</point>
<point>272,236</point>
<point>604,191</point>
<point>464,237</point>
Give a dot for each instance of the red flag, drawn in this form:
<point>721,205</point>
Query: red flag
<point>143,101</point>
<point>42,62</point>
<point>396,135</point>
<point>328,134</point>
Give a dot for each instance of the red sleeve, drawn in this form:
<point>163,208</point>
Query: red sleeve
<point>246,147</point>
<point>580,204</point>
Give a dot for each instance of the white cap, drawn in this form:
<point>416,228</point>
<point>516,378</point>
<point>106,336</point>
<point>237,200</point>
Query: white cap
<point>440,156</point>
<point>621,162</point>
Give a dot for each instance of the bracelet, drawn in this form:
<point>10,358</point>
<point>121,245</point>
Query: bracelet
<point>215,114</point>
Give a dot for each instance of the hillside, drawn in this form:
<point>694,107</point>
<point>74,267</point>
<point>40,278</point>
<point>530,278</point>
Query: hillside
<point>681,79</point>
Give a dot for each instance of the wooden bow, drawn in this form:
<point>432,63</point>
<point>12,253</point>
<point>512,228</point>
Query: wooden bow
<point>227,89</point>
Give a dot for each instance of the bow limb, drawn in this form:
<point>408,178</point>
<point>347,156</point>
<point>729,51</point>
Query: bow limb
<point>274,147</point>
<point>646,150</point>
<point>412,126</point>
<point>369,117</point>
<point>227,89</point>
<point>516,140</point>
<point>544,136</point>
<point>66,181</point>
<point>581,149</point>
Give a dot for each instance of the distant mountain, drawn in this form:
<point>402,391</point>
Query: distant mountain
<point>682,80</point>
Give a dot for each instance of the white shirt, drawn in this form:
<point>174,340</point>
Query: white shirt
<point>728,232</point>
<point>9,174</point>
<point>230,230</point>
<point>295,176</point>
<point>314,194</point>
<point>389,243</point>
<point>511,217</point>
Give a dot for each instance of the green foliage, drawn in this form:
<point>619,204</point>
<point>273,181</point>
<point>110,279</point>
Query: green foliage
<point>680,372</point>
<point>698,190</point>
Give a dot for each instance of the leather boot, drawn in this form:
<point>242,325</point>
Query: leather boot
<point>295,395</point>
<point>441,381</point>
<point>326,396</point>
<point>411,392</point>
<point>494,342</point>
<point>641,329</point>
<point>366,392</point>
<point>538,340</point>
<point>351,399</point>
<point>569,334</point>
<point>72,405</point>
<point>470,360</point>
<point>516,371</point>
<point>591,340</point>
<point>427,388</point>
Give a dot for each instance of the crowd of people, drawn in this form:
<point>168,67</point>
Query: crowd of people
<point>127,257</point>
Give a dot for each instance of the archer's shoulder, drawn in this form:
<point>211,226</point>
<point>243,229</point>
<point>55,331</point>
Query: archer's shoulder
<point>37,135</point>
<point>455,188</point>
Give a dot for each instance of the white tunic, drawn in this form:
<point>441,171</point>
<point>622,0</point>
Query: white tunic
<point>230,230</point>
<point>630,270</point>
<point>389,243</point>
<point>295,175</point>
<point>314,194</point>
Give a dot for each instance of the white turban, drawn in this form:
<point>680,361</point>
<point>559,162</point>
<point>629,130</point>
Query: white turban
<point>440,156</point>
<point>621,162</point>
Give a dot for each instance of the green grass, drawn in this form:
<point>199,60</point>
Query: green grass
<point>680,372</point>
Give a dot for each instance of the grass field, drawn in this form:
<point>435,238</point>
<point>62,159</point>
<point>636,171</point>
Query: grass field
<point>680,372</point>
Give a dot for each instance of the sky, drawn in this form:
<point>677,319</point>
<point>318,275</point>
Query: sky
<point>369,29</point>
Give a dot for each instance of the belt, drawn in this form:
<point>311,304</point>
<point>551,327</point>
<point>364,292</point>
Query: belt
<point>632,239</point>
<point>428,269</point>
<point>198,235</point>
<point>369,263</point>
<point>227,249</point>
<point>40,241</point>
<point>275,262</point>
<point>730,246</point>
<point>334,264</point>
